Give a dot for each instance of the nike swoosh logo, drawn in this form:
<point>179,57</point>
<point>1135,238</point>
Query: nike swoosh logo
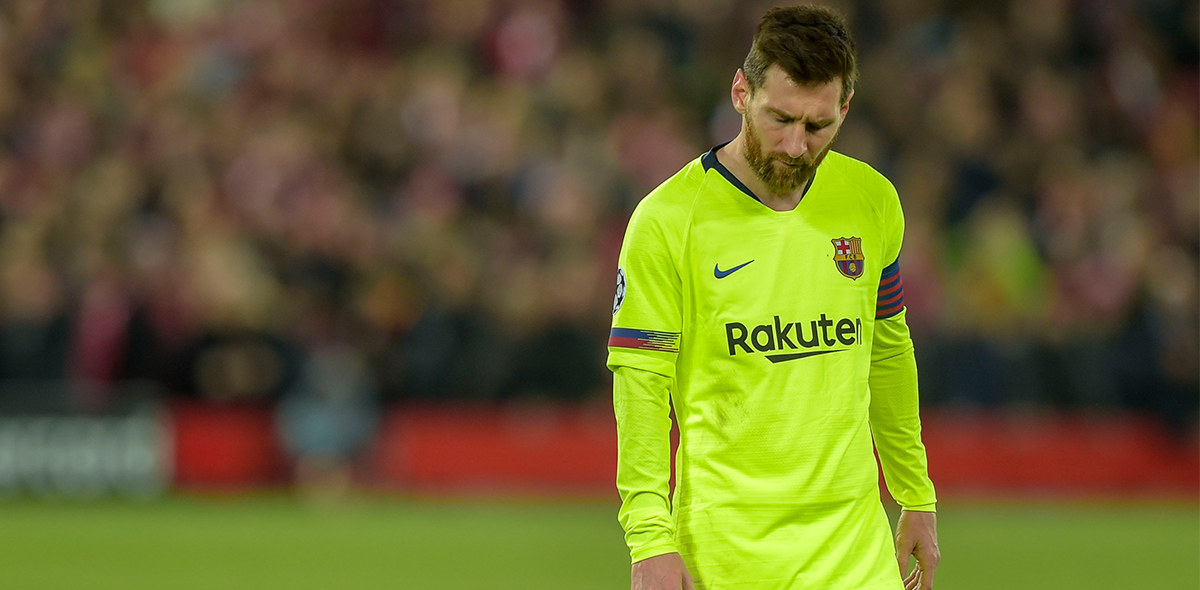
<point>720,274</point>
<point>779,358</point>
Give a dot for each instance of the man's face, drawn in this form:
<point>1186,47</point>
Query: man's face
<point>789,127</point>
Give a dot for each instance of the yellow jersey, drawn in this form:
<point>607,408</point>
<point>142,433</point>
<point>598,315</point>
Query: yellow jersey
<point>779,339</point>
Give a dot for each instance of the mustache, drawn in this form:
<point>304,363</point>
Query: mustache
<point>800,161</point>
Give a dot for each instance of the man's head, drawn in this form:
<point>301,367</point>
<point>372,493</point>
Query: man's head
<point>794,91</point>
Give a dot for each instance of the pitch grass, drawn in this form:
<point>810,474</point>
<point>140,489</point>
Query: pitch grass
<point>269,542</point>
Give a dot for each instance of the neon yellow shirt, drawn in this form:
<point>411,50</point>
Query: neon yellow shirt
<point>779,338</point>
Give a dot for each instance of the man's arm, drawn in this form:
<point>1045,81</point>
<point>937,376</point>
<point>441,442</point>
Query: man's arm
<point>896,428</point>
<point>895,415</point>
<point>641,400</point>
<point>647,331</point>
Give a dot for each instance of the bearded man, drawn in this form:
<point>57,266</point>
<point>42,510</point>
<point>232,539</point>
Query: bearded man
<point>759,294</point>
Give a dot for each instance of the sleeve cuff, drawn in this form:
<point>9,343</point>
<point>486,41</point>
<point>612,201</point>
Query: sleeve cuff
<point>643,553</point>
<point>921,508</point>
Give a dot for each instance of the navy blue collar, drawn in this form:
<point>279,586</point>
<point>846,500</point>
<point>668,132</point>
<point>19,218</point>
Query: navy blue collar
<point>709,161</point>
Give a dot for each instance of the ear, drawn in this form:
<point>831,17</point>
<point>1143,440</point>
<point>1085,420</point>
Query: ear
<point>846,105</point>
<point>740,93</point>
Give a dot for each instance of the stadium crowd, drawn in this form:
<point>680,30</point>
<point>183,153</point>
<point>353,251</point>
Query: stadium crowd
<point>423,200</point>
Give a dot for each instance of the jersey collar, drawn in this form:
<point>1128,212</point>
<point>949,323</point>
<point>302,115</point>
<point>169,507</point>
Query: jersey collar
<point>710,162</point>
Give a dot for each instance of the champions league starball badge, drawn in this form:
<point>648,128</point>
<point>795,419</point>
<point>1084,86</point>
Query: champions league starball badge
<point>620,297</point>
<point>848,256</point>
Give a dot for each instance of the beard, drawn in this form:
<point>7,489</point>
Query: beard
<point>790,174</point>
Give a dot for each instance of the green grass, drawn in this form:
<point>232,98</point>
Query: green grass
<point>1069,547</point>
<point>264,543</point>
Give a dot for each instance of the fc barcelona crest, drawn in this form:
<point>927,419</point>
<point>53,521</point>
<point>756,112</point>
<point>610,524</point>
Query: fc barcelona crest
<point>848,256</point>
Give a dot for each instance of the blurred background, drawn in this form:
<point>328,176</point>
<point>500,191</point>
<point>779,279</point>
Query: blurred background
<point>365,250</point>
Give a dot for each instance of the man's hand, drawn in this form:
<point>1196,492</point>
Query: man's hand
<point>661,572</point>
<point>916,535</point>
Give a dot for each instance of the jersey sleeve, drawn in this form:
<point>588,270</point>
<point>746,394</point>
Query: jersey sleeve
<point>893,224</point>
<point>895,406</point>
<point>647,317</point>
<point>641,400</point>
<point>642,348</point>
<point>890,301</point>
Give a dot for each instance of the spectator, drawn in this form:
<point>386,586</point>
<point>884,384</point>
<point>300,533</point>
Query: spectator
<point>453,178</point>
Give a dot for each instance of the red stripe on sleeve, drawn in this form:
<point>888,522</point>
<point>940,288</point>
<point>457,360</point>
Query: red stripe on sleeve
<point>890,301</point>
<point>885,292</point>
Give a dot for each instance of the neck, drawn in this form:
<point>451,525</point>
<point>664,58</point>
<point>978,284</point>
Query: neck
<point>733,156</point>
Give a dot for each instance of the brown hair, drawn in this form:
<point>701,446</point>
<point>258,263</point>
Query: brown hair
<point>811,43</point>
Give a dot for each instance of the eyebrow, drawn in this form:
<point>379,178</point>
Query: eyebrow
<point>783,115</point>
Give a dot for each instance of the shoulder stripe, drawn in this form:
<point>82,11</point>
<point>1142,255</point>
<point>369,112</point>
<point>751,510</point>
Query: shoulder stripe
<point>892,288</point>
<point>644,339</point>
<point>892,270</point>
<point>891,292</point>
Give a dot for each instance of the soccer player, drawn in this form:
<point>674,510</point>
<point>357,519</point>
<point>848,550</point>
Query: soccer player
<point>759,293</point>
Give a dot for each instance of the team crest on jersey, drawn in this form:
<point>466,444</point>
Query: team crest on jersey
<point>848,256</point>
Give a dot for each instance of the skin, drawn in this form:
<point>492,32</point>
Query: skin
<point>662,572</point>
<point>916,536</point>
<point>787,130</point>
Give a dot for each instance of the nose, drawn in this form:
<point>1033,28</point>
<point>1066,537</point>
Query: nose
<point>795,144</point>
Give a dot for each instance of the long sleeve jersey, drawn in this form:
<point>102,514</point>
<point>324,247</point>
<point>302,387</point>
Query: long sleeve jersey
<point>779,339</point>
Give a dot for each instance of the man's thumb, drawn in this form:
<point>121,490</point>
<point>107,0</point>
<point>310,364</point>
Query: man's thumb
<point>904,550</point>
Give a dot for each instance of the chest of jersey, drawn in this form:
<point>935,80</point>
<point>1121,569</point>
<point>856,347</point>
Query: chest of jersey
<point>782,284</point>
<point>817,258</point>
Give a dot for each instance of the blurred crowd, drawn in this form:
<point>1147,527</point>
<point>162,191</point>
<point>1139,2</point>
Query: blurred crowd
<point>362,201</point>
